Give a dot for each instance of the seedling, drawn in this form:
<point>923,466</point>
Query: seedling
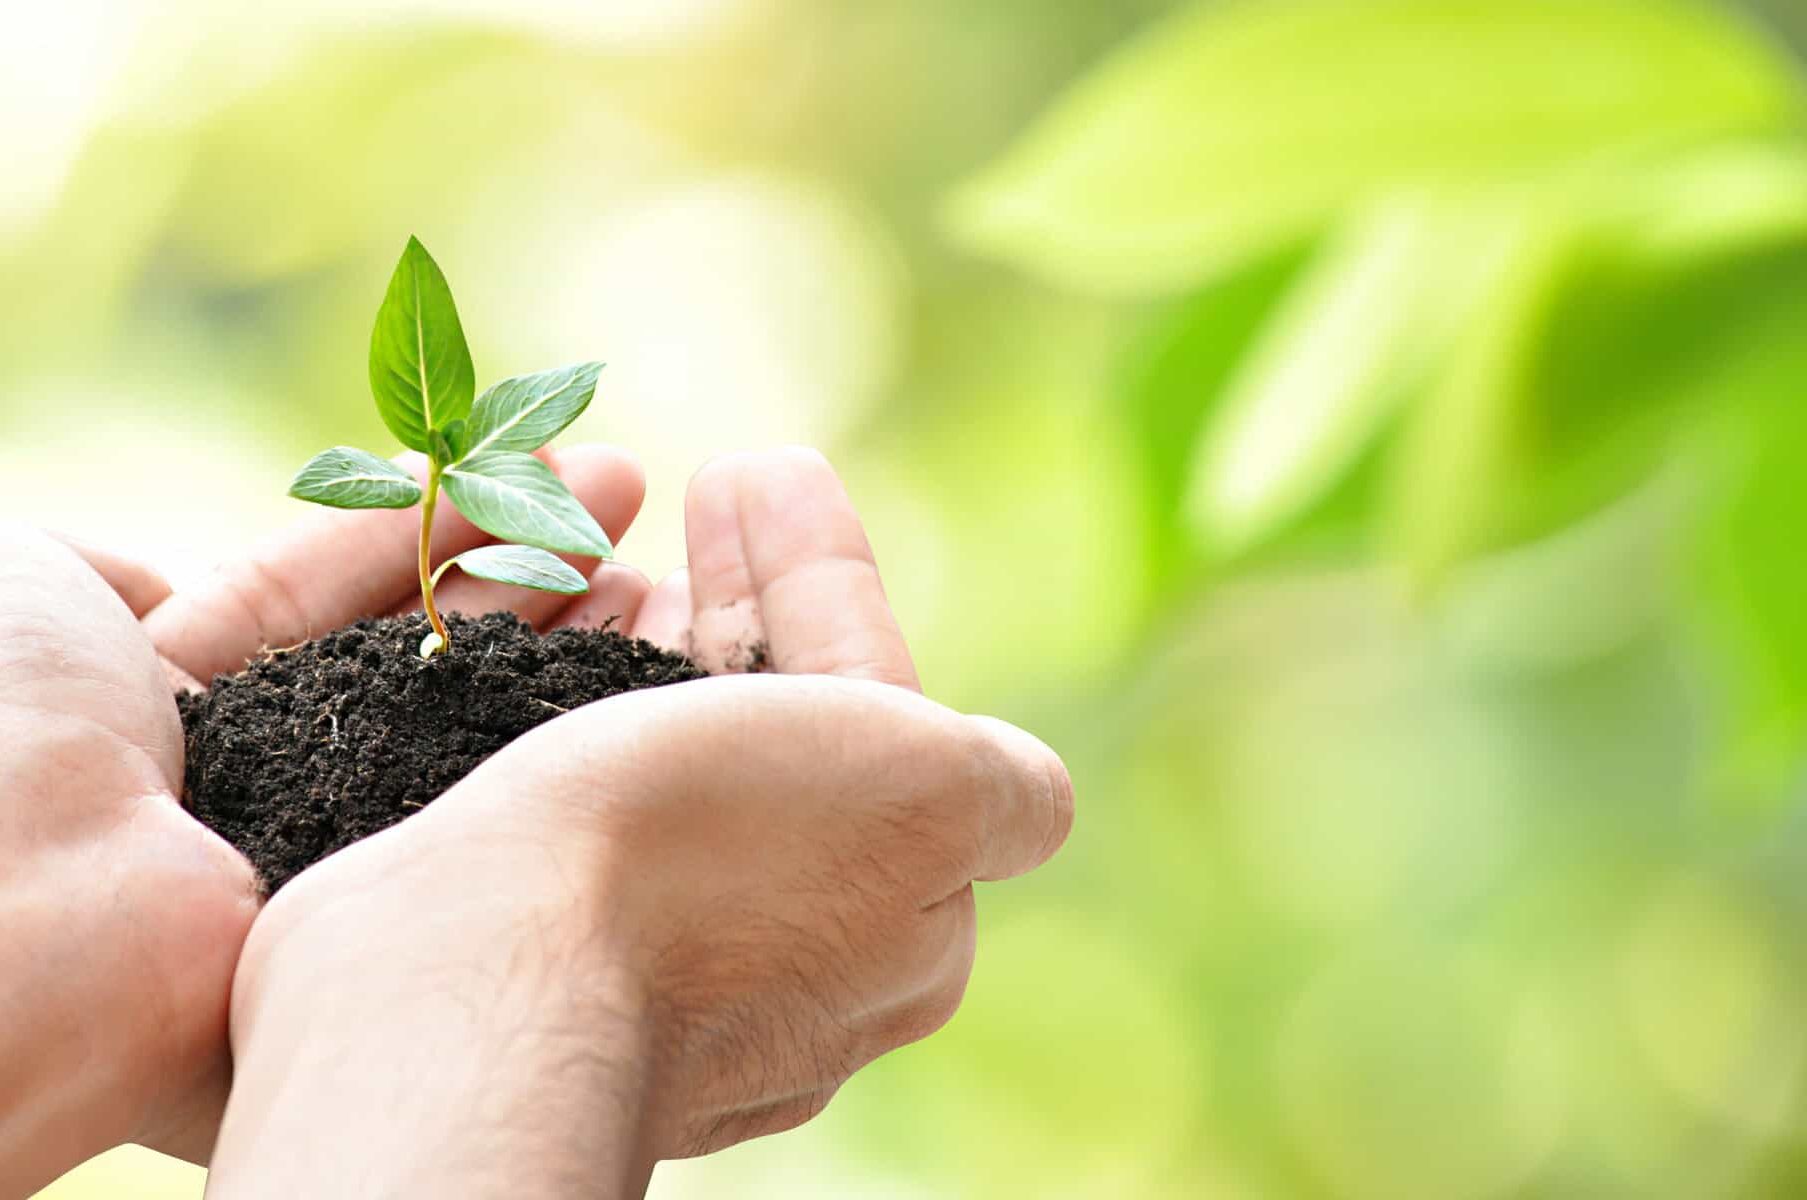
<point>423,381</point>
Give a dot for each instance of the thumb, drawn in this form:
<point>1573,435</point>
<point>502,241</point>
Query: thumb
<point>1029,818</point>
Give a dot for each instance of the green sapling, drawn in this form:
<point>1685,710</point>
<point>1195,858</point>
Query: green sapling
<point>421,376</point>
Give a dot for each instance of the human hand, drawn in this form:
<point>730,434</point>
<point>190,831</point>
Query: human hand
<point>779,568</point>
<point>654,927</point>
<point>125,916</point>
<point>779,562</point>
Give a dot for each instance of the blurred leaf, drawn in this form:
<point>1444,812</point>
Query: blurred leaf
<point>1651,302</point>
<point>420,367</point>
<point>1173,376</point>
<point>522,566</point>
<point>1734,199</point>
<point>1464,435</point>
<point>1364,327</point>
<point>526,412</point>
<point>345,477</point>
<point>517,497</point>
<point>1232,126</point>
<point>1751,555</point>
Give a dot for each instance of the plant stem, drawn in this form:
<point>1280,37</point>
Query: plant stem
<point>426,559</point>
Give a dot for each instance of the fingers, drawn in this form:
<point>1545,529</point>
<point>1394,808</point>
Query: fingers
<point>796,856</point>
<point>779,561</point>
<point>617,593</point>
<point>726,628</point>
<point>69,648</point>
<point>947,799</point>
<point>664,616</point>
<point>335,567</point>
<point>1029,813</point>
<point>139,586</point>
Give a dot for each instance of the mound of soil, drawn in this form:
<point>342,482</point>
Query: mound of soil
<point>311,748</point>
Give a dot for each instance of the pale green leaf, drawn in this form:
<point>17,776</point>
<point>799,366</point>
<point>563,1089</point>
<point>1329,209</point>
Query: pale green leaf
<point>1464,441</point>
<point>344,477</point>
<point>1372,317</point>
<point>523,566</point>
<point>526,412</point>
<point>1750,578</point>
<point>516,497</point>
<point>1593,361</point>
<point>1172,378</point>
<point>420,367</point>
<point>1233,126</point>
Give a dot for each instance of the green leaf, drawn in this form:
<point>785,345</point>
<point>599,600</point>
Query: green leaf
<point>344,477</point>
<point>526,412</point>
<point>1664,298</point>
<point>1232,127</point>
<point>1468,437</point>
<point>1170,386</point>
<point>523,566</point>
<point>456,438</point>
<point>420,367</point>
<point>1750,576</point>
<point>515,496</point>
<point>1373,316</point>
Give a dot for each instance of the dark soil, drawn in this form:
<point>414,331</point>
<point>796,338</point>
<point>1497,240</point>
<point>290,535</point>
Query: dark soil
<point>312,748</point>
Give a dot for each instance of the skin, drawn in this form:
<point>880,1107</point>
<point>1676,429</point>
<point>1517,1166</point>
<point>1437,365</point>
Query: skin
<point>602,950</point>
<point>131,917</point>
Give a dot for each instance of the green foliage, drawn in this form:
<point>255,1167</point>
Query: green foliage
<point>516,496</point>
<point>526,412</point>
<point>1339,817</point>
<point>420,367</point>
<point>344,477</point>
<point>522,566</point>
<point>1551,241</point>
<point>1237,125</point>
<point>423,381</point>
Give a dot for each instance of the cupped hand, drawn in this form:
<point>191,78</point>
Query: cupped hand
<point>663,924</point>
<point>125,916</point>
<point>714,901</point>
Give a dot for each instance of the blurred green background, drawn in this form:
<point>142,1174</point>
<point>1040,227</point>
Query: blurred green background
<point>1368,438</point>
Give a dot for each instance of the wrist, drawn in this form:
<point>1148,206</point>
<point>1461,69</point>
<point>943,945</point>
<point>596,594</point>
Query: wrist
<point>438,1017</point>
